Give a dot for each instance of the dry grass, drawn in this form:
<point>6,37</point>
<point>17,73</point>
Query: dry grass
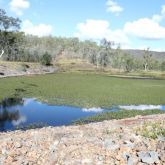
<point>70,64</point>
<point>15,65</point>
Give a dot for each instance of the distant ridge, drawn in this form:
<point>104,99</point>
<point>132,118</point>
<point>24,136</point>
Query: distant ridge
<point>139,54</point>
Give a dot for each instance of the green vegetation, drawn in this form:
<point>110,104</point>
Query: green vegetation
<point>163,66</point>
<point>46,59</point>
<point>152,130</point>
<point>16,46</point>
<point>85,89</point>
<point>31,126</point>
<point>116,115</point>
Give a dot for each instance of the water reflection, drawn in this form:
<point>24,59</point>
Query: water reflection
<point>8,102</point>
<point>20,113</point>
<point>24,113</point>
<point>22,119</point>
<point>8,116</point>
<point>93,109</point>
<point>142,107</point>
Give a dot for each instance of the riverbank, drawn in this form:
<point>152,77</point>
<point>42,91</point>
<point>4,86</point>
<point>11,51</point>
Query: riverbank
<point>14,69</point>
<point>109,142</point>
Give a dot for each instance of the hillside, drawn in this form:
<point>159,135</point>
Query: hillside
<point>139,54</point>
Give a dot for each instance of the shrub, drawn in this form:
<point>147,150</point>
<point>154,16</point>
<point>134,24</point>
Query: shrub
<point>46,59</point>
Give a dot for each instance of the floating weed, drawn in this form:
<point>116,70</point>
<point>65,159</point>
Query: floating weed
<point>91,90</point>
<point>116,115</point>
<point>31,126</point>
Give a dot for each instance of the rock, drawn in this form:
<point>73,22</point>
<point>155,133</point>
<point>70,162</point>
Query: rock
<point>17,145</point>
<point>135,159</point>
<point>140,147</point>
<point>87,144</point>
<point>111,145</point>
<point>128,158</point>
<point>129,144</point>
<point>148,157</point>
<point>4,151</point>
<point>100,158</point>
<point>161,138</point>
<point>86,161</point>
<point>53,147</point>
<point>162,156</point>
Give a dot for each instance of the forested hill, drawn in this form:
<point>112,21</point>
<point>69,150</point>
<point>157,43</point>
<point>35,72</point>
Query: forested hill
<point>139,54</point>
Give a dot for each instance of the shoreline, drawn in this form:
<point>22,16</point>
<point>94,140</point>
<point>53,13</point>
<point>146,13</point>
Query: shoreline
<point>108,142</point>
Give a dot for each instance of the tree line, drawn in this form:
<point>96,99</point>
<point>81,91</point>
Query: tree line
<point>16,46</point>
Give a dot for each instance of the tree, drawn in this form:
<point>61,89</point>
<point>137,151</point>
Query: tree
<point>147,59</point>
<point>118,58</point>
<point>46,59</point>
<point>105,52</point>
<point>9,26</point>
<point>129,64</point>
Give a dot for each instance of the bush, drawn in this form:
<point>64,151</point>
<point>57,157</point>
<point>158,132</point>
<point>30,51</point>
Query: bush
<point>46,59</point>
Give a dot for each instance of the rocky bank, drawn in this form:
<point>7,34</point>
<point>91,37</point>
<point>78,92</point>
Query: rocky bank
<point>12,69</point>
<point>105,143</point>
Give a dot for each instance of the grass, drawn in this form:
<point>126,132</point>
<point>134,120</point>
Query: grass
<point>16,65</point>
<point>85,89</point>
<point>116,115</point>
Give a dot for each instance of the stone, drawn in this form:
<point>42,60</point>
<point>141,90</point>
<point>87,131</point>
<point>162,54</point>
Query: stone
<point>87,144</point>
<point>162,156</point>
<point>140,147</point>
<point>4,151</point>
<point>149,157</point>
<point>100,158</point>
<point>161,138</point>
<point>17,145</point>
<point>111,145</point>
<point>128,158</point>
<point>129,144</point>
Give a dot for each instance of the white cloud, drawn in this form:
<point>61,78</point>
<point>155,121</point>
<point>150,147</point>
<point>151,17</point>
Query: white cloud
<point>99,29</point>
<point>38,30</point>
<point>18,6</point>
<point>114,7</point>
<point>145,28</point>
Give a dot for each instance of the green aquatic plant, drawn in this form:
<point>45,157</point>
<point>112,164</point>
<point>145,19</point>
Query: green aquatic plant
<point>116,115</point>
<point>31,126</point>
<point>85,89</point>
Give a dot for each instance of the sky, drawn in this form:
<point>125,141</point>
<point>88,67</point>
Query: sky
<point>134,24</point>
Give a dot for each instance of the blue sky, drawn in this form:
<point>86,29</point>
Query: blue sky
<point>133,24</point>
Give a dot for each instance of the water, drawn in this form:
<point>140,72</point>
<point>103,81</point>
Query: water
<point>16,113</point>
<point>142,107</point>
<point>23,112</point>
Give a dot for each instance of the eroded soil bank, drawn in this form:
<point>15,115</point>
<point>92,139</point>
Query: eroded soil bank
<point>108,142</point>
